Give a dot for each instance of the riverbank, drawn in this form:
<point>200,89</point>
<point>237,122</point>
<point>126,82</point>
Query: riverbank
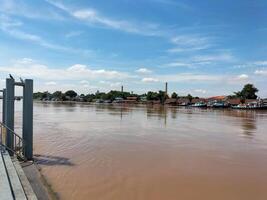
<point>38,181</point>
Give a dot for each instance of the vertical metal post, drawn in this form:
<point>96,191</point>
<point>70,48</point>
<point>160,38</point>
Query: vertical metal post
<point>9,112</point>
<point>166,88</point>
<point>27,132</point>
<point>4,106</point>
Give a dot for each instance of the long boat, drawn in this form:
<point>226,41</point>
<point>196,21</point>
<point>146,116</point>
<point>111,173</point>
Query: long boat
<point>250,107</point>
<point>199,105</point>
<point>220,105</point>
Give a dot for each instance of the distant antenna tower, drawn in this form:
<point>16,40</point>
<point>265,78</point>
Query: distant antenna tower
<point>166,88</point>
<point>122,88</point>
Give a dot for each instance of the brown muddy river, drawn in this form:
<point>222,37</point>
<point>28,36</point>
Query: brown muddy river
<point>98,152</point>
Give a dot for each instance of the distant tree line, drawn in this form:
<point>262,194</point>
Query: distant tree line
<point>71,95</point>
<point>248,92</point>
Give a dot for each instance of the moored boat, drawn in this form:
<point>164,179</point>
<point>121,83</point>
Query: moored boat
<point>199,105</point>
<point>251,106</point>
<point>220,105</point>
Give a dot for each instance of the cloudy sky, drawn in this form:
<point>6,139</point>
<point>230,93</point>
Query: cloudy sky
<point>202,47</point>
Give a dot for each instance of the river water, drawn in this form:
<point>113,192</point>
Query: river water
<point>105,152</point>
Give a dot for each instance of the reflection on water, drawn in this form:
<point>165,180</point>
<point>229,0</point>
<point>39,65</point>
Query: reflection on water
<point>112,152</point>
<point>248,123</point>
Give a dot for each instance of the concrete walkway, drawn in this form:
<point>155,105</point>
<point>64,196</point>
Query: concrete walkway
<point>12,180</point>
<point>5,189</point>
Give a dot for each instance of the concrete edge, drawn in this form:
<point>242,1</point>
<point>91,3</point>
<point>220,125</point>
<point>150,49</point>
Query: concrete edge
<point>51,193</point>
<point>24,181</point>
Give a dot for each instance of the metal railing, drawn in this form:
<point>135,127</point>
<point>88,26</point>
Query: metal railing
<point>18,144</point>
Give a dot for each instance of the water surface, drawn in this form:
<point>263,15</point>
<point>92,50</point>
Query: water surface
<point>105,152</point>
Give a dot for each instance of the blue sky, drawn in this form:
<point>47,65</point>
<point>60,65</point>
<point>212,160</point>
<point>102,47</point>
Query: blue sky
<point>202,47</point>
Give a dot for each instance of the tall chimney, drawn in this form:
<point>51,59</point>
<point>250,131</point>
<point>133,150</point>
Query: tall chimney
<point>166,88</point>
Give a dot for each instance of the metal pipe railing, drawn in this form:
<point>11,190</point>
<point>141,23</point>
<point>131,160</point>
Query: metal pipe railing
<point>18,142</point>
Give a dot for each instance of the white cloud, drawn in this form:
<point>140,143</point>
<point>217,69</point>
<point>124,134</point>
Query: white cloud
<point>189,77</point>
<point>115,84</point>
<point>25,61</point>
<point>37,40</point>
<point>200,91</point>
<point>261,72</point>
<point>11,27</point>
<point>75,72</point>
<point>241,66</point>
<point>184,43</point>
<point>77,68</point>
<point>51,83</point>
<point>111,83</point>
<point>92,16</point>
<point>7,26</point>
<point>84,82</point>
<point>243,77</point>
<point>143,71</point>
<point>223,57</point>
<point>150,80</point>
<point>73,34</point>
<point>238,79</point>
<point>174,3</point>
<point>89,14</point>
<point>104,82</point>
<point>252,64</point>
<point>179,64</point>
<point>20,8</point>
<point>201,60</point>
<point>7,22</point>
<point>261,63</point>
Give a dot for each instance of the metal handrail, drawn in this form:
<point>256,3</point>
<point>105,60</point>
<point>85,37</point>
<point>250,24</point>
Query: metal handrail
<point>18,142</point>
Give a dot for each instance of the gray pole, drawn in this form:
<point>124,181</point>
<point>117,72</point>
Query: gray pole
<point>4,106</point>
<point>166,88</point>
<point>9,112</point>
<point>27,132</point>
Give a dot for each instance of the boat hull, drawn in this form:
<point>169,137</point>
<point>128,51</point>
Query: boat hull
<point>250,108</point>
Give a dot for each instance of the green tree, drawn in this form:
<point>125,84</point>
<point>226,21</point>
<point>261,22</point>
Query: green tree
<point>174,95</point>
<point>71,93</point>
<point>57,95</point>
<point>89,97</point>
<point>42,95</point>
<point>190,97</point>
<point>38,95</point>
<point>152,96</point>
<point>248,92</point>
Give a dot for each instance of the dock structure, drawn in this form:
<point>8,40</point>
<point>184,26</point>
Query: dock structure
<point>12,141</point>
<point>14,185</point>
